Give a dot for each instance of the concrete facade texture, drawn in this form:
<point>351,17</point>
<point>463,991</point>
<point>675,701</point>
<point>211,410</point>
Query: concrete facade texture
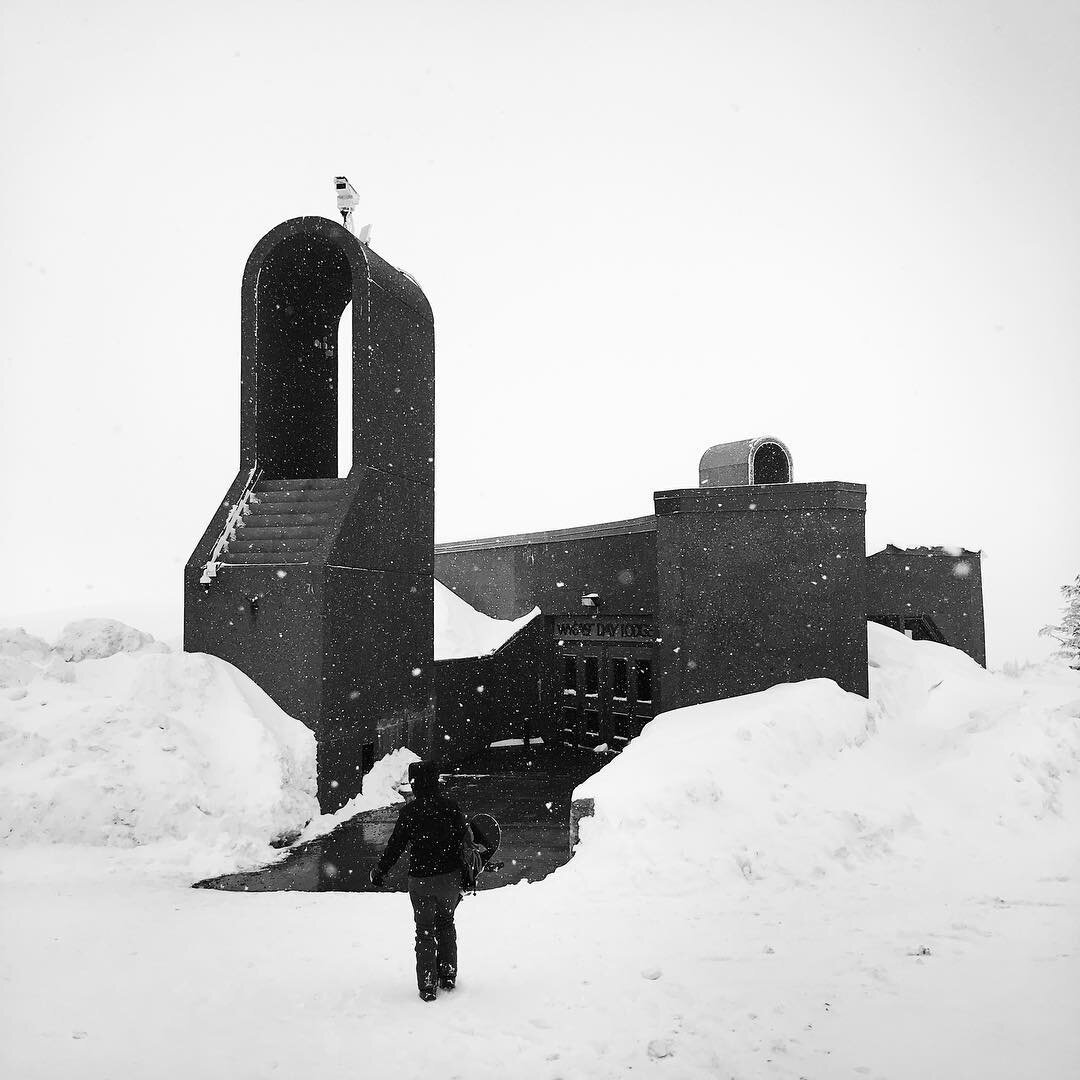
<point>745,586</point>
<point>506,577</point>
<point>760,585</point>
<point>903,584</point>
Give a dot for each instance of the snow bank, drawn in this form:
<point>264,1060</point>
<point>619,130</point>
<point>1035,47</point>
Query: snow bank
<point>109,739</point>
<point>97,639</point>
<point>381,787</point>
<point>804,781</point>
<point>462,631</point>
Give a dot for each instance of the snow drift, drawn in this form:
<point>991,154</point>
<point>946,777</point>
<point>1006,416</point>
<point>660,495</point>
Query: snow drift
<point>945,761</point>
<point>110,739</point>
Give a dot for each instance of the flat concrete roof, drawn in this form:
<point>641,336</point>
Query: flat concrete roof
<point>553,536</point>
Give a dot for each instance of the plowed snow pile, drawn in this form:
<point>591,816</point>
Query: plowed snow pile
<point>946,762</point>
<point>110,739</point>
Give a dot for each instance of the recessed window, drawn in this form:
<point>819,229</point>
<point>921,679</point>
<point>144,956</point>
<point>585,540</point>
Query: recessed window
<point>592,675</point>
<point>643,672</point>
<point>592,725</point>
<point>570,673</point>
<point>620,677</point>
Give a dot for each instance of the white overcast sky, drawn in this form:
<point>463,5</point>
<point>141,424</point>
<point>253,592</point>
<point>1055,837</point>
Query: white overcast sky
<point>643,228</point>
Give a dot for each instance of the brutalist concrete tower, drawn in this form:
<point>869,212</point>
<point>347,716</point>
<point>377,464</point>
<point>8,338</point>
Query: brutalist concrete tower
<point>319,586</point>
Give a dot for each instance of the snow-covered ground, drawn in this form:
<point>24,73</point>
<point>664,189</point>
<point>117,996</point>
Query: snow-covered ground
<point>791,884</point>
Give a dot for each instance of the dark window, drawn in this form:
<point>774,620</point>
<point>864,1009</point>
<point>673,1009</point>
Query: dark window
<point>620,678</point>
<point>569,722</point>
<point>367,757</point>
<point>592,724</point>
<point>592,675</point>
<point>644,680</point>
<point>569,673</point>
<point>923,628</point>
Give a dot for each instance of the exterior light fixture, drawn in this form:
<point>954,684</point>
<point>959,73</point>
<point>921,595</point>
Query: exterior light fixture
<point>590,600</point>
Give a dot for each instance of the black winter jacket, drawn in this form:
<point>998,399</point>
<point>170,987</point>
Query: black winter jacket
<point>434,829</point>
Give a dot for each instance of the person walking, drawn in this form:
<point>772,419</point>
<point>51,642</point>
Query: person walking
<point>437,835</point>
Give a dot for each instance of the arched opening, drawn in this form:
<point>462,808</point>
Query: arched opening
<point>770,465</point>
<point>302,289</point>
<point>344,392</point>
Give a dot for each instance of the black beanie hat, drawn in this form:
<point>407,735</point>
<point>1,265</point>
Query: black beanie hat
<point>424,777</point>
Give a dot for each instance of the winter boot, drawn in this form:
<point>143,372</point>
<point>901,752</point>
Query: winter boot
<point>427,994</point>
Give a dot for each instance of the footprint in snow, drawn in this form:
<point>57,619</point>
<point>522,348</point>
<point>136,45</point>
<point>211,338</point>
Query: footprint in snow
<point>660,1048</point>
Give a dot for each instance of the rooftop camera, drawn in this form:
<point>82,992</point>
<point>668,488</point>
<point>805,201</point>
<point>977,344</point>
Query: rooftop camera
<point>347,199</point>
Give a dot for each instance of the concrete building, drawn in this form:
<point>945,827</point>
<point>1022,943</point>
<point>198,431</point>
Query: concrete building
<point>743,582</point>
<point>316,577</point>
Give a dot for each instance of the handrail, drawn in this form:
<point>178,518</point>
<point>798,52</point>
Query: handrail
<point>229,531</point>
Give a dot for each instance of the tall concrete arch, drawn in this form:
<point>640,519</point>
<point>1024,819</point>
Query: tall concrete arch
<point>320,587</point>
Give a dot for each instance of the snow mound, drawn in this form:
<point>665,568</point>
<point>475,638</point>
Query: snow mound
<point>146,746</point>
<point>462,631</point>
<point>381,787</point>
<point>96,639</point>
<point>804,780</point>
<point>16,642</point>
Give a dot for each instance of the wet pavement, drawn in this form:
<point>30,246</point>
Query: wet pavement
<point>527,791</point>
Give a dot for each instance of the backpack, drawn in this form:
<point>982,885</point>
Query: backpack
<point>480,843</point>
<point>472,866</point>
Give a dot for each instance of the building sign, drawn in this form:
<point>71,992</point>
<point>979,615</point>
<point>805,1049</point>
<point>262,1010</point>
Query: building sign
<point>628,631</point>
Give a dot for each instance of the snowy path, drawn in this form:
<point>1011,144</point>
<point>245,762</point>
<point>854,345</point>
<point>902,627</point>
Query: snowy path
<point>146,981</point>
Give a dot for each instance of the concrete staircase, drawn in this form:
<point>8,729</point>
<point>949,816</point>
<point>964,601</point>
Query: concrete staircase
<point>284,522</point>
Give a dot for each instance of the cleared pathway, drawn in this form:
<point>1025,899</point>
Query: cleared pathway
<point>527,790</point>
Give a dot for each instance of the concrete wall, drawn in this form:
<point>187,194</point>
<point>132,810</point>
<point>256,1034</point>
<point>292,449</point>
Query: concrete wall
<point>759,585</point>
<point>507,576</point>
<point>506,695</point>
<point>906,583</point>
<point>285,620</point>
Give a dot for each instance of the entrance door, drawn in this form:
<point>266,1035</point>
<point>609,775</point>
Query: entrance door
<point>606,694</point>
<point>631,688</point>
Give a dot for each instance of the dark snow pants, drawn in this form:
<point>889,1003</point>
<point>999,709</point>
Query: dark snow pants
<point>434,900</point>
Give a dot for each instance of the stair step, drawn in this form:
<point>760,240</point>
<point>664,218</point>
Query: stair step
<point>279,532</point>
<point>271,503</point>
<point>318,484</point>
<point>293,485</point>
<point>290,520</point>
<point>271,558</point>
<point>268,546</point>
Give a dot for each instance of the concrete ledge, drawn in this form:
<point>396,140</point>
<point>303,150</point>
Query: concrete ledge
<point>827,495</point>
<point>551,536</point>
